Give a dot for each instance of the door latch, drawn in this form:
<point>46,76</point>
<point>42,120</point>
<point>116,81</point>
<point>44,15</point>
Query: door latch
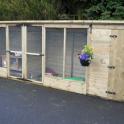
<point>8,51</point>
<point>41,54</point>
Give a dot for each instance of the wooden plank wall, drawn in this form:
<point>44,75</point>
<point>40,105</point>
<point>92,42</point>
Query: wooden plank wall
<point>63,84</point>
<point>3,72</point>
<point>98,70</point>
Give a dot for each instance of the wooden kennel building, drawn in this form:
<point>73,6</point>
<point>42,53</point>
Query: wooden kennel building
<point>45,52</point>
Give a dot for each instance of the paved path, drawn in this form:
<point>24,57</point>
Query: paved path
<point>25,103</point>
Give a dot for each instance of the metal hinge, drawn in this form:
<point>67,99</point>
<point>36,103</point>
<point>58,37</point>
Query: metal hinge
<point>113,36</point>
<point>42,55</point>
<point>111,67</point>
<point>90,26</point>
<point>109,92</point>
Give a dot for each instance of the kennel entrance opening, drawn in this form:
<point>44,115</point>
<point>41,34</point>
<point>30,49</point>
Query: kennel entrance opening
<point>62,48</point>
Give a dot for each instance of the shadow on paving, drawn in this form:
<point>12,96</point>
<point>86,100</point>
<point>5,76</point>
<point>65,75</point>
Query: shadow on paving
<point>25,103</point>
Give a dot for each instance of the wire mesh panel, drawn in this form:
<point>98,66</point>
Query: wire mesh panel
<point>34,52</point>
<point>76,39</point>
<point>15,38</point>
<point>54,51</point>
<point>34,67</point>
<point>2,48</point>
<point>34,39</point>
<point>15,45</point>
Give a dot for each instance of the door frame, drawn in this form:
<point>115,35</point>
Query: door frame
<point>27,53</point>
<point>65,27</point>
<point>8,50</point>
<point>24,52</point>
<point>3,70</point>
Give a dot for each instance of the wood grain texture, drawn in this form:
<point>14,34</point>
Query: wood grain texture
<point>3,72</point>
<point>68,85</point>
<point>116,76</point>
<point>98,71</point>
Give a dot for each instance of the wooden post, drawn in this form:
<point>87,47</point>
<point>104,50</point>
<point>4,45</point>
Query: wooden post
<point>87,68</point>
<point>72,55</point>
<point>24,49</point>
<point>7,51</point>
<point>43,52</point>
<point>64,52</point>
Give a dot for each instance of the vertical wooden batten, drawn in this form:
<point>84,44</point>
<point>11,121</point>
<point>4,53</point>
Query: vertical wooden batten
<point>24,49</point>
<point>43,52</point>
<point>7,51</point>
<point>88,68</point>
<point>64,51</point>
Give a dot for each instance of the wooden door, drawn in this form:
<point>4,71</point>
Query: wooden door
<point>15,52</point>
<point>116,66</point>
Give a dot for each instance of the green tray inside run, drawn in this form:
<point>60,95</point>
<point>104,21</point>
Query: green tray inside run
<point>75,78</point>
